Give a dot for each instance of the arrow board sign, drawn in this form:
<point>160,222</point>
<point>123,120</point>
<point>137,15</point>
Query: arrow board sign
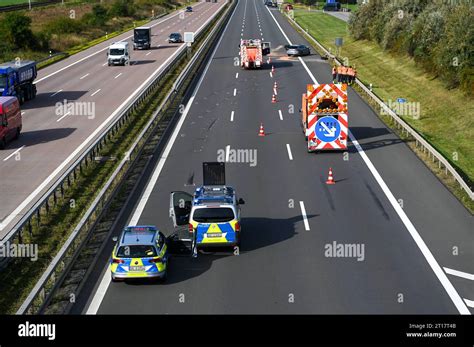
<point>327,129</point>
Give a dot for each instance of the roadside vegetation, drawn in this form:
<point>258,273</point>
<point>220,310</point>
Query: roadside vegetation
<point>47,30</point>
<point>444,93</point>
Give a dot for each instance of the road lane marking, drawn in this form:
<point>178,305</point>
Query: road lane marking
<point>237,75</point>
<point>105,64</point>
<point>227,153</point>
<point>305,217</point>
<point>449,288</point>
<point>281,115</point>
<point>469,303</point>
<point>235,91</point>
<point>148,53</point>
<point>59,91</point>
<point>23,112</point>
<point>65,115</point>
<point>232,116</point>
<point>84,76</point>
<point>457,273</point>
<point>98,90</point>
<point>120,74</point>
<point>11,155</point>
<point>289,151</point>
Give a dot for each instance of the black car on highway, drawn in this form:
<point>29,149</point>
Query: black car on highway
<point>175,38</point>
<point>297,50</point>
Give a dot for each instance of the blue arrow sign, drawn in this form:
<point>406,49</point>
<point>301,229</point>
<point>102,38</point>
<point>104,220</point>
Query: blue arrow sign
<point>327,129</point>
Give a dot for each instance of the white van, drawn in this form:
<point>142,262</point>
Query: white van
<point>118,54</point>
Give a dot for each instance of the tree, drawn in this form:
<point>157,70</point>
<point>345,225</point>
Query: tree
<point>17,29</point>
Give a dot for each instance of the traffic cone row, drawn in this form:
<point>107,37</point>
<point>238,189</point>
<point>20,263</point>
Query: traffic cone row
<point>273,69</point>
<point>274,99</point>
<point>275,85</point>
<point>261,132</point>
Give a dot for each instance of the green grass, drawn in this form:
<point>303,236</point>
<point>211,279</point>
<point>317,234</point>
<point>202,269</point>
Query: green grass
<point>395,76</point>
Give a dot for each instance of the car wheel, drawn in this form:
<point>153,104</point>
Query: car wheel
<point>17,133</point>
<point>114,279</point>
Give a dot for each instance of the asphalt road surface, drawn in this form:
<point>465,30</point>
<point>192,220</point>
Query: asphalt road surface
<point>291,215</point>
<point>51,138</point>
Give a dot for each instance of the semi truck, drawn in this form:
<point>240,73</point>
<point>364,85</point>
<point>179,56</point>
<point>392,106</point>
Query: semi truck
<point>16,79</point>
<point>252,52</point>
<point>324,117</point>
<point>142,38</point>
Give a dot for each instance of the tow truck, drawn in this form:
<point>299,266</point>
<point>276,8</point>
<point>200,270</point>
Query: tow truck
<point>211,215</point>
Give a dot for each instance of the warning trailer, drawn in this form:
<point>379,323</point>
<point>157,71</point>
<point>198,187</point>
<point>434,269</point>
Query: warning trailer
<point>324,117</point>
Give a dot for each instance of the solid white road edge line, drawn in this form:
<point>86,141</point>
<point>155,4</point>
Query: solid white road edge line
<point>461,274</point>
<point>453,294</point>
<point>105,282</point>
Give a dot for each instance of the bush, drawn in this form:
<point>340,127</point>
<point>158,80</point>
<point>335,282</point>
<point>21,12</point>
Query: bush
<point>63,25</point>
<point>438,34</point>
<point>16,30</point>
<point>122,8</point>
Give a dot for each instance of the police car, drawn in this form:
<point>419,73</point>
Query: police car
<point>140,252</point>
<point>212,215</point>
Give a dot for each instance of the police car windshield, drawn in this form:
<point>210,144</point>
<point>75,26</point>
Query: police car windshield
<point>136,251</point>
<point>213,215</point>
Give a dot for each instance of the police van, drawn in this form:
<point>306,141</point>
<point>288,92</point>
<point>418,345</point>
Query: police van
<point>212,213</point>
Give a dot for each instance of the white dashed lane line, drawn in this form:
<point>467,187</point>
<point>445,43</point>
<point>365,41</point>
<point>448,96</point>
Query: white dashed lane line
<point>305,217</point>
<point>281,115</point>
<point>289,151</point>
<point>11,155</point>
<point>98,90</point>
<point>84,76</point>
<point>232,116</point>
<point>59,91</point>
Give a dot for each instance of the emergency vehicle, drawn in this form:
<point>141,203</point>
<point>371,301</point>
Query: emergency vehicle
<point>140,252</point>
<point>324,117</point>
<point>252,52</point>
<point>212,213</point>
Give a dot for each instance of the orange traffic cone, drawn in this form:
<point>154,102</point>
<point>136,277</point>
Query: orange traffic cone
<point>330,178</point>
<point>275,85</point>
<point>269,60</point>
<point>261,132</point>
<point>273,69</point>
<point>274,99</point>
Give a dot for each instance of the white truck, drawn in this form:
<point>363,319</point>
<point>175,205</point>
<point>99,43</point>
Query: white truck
<point>119,54</point>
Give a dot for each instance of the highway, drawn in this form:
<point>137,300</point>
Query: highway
<point>51,139</point>
<point>417,237</point>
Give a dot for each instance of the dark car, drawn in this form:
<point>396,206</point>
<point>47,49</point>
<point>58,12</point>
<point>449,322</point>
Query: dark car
<point>189,9</point>
<point>175,38</point>
<point>296,50</point>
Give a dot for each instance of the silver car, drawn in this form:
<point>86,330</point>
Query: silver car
<point>297,50</point>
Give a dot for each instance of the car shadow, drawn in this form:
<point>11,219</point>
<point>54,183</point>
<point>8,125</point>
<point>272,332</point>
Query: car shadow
<point>143,62</point>
<point>257,233</point>
<point>37,137</point>
<point>48,99</point>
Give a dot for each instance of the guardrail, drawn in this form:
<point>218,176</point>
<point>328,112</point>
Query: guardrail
<point>26,5</point>
<point>63,261</point>
<point>401,124</point>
